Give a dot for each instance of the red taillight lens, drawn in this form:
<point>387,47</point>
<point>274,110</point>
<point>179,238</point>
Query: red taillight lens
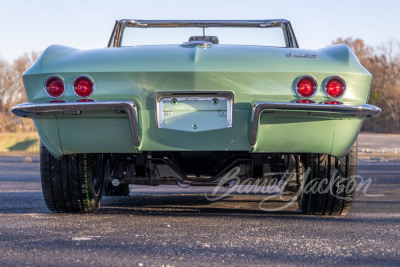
<point>57,101</point>
<point>85,100</point>
<point>306,86</point>
<point>333,102</point>
<point>304,101</point>
<point>83,86</point>
<point>54,87</point>
<point>335,87</point>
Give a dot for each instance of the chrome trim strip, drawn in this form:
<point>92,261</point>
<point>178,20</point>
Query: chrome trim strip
<point>159,96</point>
<point>31,110</point>
<point>363,111</point>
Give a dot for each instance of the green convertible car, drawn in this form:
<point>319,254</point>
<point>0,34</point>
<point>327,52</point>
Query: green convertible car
<point>185,102</point>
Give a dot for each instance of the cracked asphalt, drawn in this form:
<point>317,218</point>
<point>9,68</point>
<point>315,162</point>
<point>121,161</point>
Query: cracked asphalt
<point>171,226</point>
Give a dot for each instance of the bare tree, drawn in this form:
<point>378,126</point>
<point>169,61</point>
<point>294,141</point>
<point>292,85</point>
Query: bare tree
<point>387,79</point>
<point>5,83</point>
<point>363,52</point>
<point>12,92</point>
<point>384,65</point>
<point>20,65</point>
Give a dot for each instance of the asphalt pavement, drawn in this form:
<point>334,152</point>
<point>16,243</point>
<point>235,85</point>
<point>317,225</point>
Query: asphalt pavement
<point>379,143</point>
<point>171,226</point>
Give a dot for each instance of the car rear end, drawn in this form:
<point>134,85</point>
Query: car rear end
<point>195,113</point>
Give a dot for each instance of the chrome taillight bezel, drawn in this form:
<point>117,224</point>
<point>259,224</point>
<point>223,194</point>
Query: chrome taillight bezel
<point>330,78</point>
<point>305,77</point>
<point>80,77</point>
<point>46,87</point>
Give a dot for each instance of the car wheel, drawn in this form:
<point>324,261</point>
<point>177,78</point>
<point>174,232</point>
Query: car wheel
<point>328,184</point>
<point>72,184</point>
<point>120,190</point>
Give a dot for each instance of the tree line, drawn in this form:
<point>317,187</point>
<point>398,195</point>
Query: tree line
<point>12,92</point>
<point>382,62</point>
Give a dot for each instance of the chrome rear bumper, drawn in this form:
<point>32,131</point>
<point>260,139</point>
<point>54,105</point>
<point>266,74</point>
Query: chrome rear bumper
<point>363,111</point>
<point>31,110</point>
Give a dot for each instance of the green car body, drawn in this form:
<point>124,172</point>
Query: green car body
<point>254,74</point>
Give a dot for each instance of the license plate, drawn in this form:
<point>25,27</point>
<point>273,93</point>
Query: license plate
<point>194,112</point>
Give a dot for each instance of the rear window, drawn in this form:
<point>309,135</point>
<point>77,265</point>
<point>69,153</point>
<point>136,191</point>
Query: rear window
<point>134,36</point>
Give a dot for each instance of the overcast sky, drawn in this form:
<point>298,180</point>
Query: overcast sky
<point>34,25</point>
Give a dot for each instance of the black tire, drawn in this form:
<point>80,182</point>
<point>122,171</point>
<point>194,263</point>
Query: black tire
<point>329,184</point>
<point>72,184</point>
<point>120,190</point>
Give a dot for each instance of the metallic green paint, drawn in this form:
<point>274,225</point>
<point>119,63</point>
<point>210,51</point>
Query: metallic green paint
<point>49,135</point>
<point>253,73</point>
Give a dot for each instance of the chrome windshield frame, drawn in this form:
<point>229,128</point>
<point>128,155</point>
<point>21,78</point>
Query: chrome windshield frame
<point>119,27</point>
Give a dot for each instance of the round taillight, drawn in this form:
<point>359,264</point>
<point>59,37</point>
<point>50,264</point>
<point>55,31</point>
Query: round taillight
<point>335,87</point>
<point>54,86</point>
<point>306,86</point>
<point>83,86</point>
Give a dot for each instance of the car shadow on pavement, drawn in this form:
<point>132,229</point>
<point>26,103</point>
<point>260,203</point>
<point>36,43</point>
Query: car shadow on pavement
<point>194,204</point>
<point>232,206</point>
